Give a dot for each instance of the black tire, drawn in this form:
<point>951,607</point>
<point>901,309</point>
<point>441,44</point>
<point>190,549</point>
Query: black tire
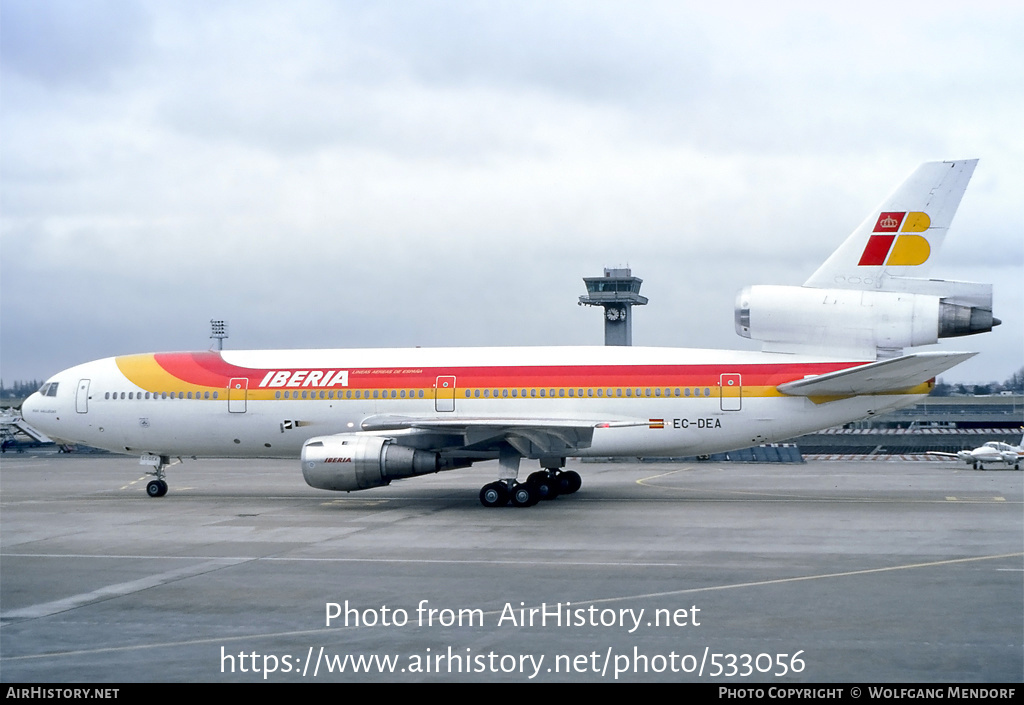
<point>494,495</point>
<point>524,495</point>
<point>156,488</point>
<point>545,485</point>
<point>569,482</point>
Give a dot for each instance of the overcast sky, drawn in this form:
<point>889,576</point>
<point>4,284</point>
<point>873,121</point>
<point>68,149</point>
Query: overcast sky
<point>370,174</point>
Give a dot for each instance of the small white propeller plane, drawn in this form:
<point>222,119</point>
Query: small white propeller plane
<point>833,352</point>
<point>991,452</point>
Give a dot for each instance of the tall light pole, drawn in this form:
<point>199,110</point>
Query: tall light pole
<point>218,332</point>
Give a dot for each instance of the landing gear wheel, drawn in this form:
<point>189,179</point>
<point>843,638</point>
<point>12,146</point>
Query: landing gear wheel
<point>568,482</point>
<point>545,485</point>
<point>524,495</point>
<point>156,488</point>
<point>494,495</point>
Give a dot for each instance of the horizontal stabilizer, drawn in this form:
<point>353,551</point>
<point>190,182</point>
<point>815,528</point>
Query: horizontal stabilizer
<point>877,377</point>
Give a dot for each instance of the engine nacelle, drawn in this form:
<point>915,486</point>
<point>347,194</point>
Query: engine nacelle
<point>349,462</point>
<point>867,322</point>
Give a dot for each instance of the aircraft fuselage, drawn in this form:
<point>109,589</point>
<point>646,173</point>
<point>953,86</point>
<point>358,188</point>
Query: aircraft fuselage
<point>268,403</point>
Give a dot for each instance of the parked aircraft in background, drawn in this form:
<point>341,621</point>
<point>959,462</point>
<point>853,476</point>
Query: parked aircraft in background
<point>833,352</point>
<point>12,426</point>
<point>991,452</point>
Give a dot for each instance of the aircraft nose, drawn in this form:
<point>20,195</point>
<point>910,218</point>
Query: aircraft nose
<point>28,407</point>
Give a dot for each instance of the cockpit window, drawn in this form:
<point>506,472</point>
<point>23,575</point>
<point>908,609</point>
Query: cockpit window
<point>49,389</point>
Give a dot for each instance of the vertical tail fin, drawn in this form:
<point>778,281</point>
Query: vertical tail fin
<point>871,298</point>
<point>899,238</point>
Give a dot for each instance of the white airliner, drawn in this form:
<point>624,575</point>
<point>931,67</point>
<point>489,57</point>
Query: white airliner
<point>991,452</point>
<point>832,353</point>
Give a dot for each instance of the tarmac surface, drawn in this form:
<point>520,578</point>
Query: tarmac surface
<point>854,572</point>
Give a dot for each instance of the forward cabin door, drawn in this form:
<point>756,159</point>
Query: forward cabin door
<point>82,397</point>
<point>238,393</point>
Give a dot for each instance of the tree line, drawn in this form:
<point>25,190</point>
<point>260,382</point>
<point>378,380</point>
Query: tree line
<point>19,389</point>
<point>1014,383</point>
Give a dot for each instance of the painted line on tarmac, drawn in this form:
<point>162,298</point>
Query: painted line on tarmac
<point>45,609</point>
<point>639,596</point>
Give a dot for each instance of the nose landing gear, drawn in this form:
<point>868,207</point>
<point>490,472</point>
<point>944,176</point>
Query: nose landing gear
<point>157,487</point>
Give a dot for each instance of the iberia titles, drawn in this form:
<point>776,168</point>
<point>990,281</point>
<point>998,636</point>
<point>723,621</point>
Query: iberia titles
<point>305,378</point>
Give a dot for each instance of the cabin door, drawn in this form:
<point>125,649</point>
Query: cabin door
<point>82,397</point>
<point>731,389</point>
<point>238,392</point>
<point>444,394</point>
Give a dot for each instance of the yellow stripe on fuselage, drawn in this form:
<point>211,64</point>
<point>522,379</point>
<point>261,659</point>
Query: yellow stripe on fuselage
<point>144,372</point>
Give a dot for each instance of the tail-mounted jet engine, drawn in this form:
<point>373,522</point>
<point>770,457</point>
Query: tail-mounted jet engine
<point>349,462</point>
<point>871,323</point>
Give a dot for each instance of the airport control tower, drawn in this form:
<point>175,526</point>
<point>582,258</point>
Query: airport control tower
<point>617,291</point>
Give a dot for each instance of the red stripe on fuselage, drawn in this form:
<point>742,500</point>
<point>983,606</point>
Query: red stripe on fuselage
<point>206,369</point>
<point>210,370</point>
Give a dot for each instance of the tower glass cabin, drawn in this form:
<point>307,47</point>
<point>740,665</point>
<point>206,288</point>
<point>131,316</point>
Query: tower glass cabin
<point>616,292</point>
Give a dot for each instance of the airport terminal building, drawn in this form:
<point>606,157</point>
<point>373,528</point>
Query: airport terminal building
<point>945,424</point>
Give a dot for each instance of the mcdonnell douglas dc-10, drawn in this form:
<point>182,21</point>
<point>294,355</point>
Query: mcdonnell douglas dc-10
<point>832,352</point>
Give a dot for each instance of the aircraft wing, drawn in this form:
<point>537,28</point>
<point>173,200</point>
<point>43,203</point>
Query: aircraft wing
<point>531,437</point>
<point>877,377</point>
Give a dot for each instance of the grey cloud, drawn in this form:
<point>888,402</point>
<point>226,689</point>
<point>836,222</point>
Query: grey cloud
<point>428,173</point>
<point>71,43</point>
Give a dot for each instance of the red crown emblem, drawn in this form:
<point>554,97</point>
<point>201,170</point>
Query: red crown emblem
<point>888,222</point>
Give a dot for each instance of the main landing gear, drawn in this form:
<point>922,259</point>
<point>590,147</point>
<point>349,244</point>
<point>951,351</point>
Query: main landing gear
<point>544,484</point>
<point>547,483</point>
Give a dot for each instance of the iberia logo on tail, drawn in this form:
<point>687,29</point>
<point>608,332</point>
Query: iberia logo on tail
<point>898,228</point>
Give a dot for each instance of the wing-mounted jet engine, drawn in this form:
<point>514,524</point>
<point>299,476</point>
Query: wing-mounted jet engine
<point>348,462</point>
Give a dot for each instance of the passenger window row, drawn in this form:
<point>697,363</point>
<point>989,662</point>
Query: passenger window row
<point>590,392</point>
<point>532,393</point>
<point>161,395</point>
<point>352,394</point>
